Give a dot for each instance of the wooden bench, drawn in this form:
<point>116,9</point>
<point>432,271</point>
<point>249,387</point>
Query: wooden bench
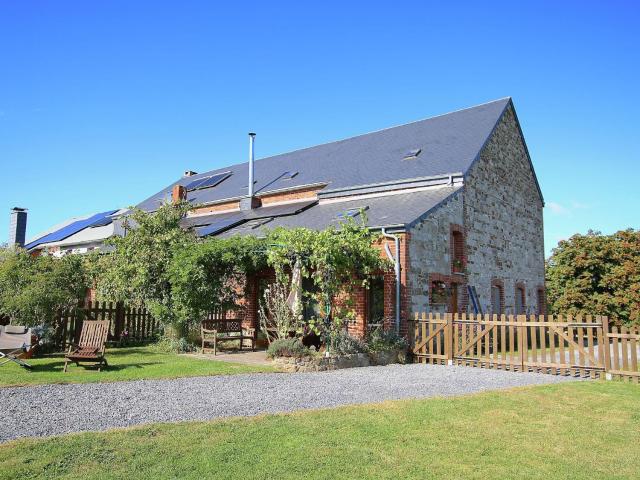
<point>225,329</point>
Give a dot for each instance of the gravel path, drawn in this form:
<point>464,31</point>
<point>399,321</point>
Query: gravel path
<point>57,409</point>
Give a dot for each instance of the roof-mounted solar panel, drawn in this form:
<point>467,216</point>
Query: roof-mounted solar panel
<point>412,153</point>
<point>208,182</point>
<point>217,227</point>
<point>70,229</point>
<point>103,222</point>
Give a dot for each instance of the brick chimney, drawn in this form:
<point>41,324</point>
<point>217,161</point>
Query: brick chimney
<point>18,227</point>
<point>178,194</point>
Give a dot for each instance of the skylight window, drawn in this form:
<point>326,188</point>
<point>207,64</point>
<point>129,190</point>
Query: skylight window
<point>289,175</point>
<point>411,154</point>
<point>352,212</point>
<point>208,182</point>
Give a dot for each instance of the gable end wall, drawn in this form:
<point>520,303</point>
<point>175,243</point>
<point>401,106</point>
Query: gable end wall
<point>503,219</point>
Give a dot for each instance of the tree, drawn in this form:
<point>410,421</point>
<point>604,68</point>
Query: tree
<point>596,274</point>
<point>34,289</point>
<point>136,269</point>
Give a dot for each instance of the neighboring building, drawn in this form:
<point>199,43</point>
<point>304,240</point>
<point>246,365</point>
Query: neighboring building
<point>77,235</point>
<point>458,192</point>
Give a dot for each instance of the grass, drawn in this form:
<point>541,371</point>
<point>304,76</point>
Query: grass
<point>574,430</point>
<point>130,363</point>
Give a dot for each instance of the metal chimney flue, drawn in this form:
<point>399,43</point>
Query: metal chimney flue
<point>252,140</point>
<point>250,201</point>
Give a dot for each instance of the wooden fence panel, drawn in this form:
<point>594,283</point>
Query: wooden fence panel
<point>564,345</point>
<point>623,345</point>
<point>136,322</point>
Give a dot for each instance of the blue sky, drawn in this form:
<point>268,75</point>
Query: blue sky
<point>104,103</point>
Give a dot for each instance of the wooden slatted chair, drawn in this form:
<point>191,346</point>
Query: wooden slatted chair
<point>90,348</point>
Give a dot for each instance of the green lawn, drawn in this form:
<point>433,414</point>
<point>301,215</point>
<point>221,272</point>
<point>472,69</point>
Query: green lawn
<point>578,430</point>
<point>131,363</point>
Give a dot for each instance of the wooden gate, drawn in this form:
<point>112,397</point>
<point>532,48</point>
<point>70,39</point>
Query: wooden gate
<point>562,345</point>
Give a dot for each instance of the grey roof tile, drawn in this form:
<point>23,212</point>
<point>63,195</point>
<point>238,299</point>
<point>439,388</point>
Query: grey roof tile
<point>449,144</point>
<point>382,211</point>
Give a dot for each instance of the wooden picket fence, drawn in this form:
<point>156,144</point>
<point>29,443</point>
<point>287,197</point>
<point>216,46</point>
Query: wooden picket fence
<point>126,323</point>
<point>561,345</point>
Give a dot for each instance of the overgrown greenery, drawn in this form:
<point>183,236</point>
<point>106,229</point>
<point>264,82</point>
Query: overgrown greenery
<point>338,259</point>
<point>288,347</point>
<point>136,271</point>
<point>380,340</point>
<point>180,278</point>
<point>210,275</point>
<point>33,289</point>
<point>596,274</point>
<point>575,430</point>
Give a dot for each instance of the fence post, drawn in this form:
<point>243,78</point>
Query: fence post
<point>522,347</point>
<point>448,338</point>
<point>607,349</point>
<point>118,321</point>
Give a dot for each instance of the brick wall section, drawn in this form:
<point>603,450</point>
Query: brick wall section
<point>220,207</point>
<point>303,193</point>
<point>503,218</point>
<point>310,193</point>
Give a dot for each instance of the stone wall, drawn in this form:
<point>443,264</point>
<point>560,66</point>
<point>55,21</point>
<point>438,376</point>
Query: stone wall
<point>430,254</point>
<point>503,219</point>
<point>337,362</point>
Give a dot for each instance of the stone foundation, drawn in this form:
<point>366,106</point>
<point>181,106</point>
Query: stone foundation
<point>323,364</point>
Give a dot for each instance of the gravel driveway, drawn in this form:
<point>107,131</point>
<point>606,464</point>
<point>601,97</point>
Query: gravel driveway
<point>57,409</point>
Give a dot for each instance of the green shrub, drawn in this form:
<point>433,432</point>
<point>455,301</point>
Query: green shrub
<point>174,345</point>
<point>344,344</point>
<point>288,347</point>
<point>380,340</point>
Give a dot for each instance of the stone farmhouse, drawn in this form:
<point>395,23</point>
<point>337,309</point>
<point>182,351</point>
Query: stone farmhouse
<point>455,198</point>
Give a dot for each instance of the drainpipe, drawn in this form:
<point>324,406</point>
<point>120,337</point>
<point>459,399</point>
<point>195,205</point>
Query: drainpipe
<point>396,262</point>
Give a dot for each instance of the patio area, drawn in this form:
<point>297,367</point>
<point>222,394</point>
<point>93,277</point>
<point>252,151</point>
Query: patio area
<point>245,357</point>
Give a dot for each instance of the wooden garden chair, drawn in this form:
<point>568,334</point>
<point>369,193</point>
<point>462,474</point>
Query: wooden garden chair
<point>90,348</point>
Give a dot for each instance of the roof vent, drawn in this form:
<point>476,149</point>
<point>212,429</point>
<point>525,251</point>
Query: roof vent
<point>189,173</point>
<point>411,154</point>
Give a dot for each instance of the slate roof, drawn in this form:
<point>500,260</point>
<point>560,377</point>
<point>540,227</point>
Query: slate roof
<point>449,144</point>
<point>391,210</point>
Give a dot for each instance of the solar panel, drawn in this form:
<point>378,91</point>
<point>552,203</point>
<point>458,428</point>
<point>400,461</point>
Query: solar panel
<point>218,226</point>
<point>70,229</point>
<point>208,182</point>
<point>103,222</point>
